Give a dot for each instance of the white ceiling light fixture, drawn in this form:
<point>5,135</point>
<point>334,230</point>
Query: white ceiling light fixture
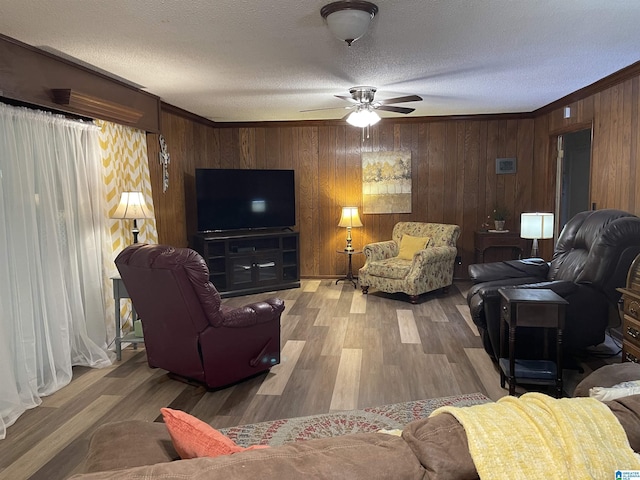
<point>349,20</point>
<point>363,116</point>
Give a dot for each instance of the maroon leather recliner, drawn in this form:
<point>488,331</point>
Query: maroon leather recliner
<point>187,330</point>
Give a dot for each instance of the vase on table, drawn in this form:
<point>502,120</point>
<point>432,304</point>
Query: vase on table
<point>499,225</point>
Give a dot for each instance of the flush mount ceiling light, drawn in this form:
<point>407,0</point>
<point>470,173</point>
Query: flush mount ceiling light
<point>349,20</point>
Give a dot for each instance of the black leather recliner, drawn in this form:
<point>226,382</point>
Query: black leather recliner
<point>591,259</point>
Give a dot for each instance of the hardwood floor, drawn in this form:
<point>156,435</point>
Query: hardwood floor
<point>340,350</point>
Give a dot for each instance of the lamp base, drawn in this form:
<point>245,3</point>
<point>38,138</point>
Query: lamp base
<point>534,248</point>
<point>348,248</point>
<point>135,231</point>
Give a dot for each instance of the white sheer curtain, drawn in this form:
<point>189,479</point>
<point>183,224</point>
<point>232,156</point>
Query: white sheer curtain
<point>52,239</point>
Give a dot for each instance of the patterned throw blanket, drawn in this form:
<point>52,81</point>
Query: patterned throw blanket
<point>539,437</point>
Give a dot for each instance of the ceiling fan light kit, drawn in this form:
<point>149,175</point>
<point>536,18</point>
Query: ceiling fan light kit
<point>363,117</point>
<point>349,20</point>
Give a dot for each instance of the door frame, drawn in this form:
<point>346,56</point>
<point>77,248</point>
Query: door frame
<point>553,155</point>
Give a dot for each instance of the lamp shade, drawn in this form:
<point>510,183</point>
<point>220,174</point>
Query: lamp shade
<point>350,217</point>
<point>349,20</point>
<point>536,225</point>
<point>132,205</point>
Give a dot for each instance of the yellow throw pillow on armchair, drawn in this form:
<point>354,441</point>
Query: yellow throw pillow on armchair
<point>409,245</point>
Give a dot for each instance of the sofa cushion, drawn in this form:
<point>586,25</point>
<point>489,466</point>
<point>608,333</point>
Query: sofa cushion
<point>145,443</point>
<point>356,457</point>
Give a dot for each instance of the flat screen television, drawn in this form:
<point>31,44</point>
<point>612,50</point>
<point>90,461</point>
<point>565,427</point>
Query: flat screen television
<point>240,199</point>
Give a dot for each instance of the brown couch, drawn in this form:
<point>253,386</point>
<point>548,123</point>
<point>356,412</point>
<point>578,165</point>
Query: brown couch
<point>434,448</point>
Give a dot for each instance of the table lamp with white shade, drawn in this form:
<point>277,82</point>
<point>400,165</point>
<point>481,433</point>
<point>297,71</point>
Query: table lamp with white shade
<point>349,219</point>
<point>536,226</point>
<point>132,206</point>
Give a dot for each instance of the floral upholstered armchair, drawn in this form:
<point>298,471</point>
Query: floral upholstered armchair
<point>420,258</point>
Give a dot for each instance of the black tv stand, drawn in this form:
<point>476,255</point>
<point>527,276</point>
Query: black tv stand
<point>241,263</point>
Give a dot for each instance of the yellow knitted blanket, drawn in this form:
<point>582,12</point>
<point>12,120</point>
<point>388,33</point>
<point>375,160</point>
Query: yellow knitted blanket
<point>539,437</point>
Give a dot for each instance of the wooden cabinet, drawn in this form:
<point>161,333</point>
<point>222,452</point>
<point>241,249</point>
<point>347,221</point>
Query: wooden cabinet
<point>244,263</point>
<point>495,246</point>
<point>630,325</point>
<point>631,314</point>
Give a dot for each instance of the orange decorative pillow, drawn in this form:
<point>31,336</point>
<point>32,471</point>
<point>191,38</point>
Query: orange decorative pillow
<point>193,438</point>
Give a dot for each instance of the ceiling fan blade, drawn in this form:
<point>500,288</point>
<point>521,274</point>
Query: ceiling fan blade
<point>391,108</point>
<point>328,108</point>
<point>408,98</point>
<point>348,99</point>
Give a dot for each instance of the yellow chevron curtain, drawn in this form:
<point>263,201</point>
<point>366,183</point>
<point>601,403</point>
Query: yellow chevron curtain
<point>126,169</point>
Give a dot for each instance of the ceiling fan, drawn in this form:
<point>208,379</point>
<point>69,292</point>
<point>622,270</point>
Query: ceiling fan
<point>364,106</point>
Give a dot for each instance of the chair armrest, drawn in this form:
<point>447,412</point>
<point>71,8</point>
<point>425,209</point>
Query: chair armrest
<point>434,254</point>
<point>148,443</point>
<point>607,377</point>
<point>380,250</point>
<point>563,288</point>
<point>489,272</point>
<point>252,314</point>
<point>489,290</point>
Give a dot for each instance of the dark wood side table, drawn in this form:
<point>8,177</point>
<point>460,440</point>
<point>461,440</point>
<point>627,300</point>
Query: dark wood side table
<point>494,247</point>
<point>349,277</point>
<point>530,307</point>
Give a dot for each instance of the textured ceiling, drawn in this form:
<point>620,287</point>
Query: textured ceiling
<point>241,60</point>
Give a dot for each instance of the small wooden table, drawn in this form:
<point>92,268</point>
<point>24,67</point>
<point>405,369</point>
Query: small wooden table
<point>530,307</point>
<point>494,246</point>
<point>349,277</point>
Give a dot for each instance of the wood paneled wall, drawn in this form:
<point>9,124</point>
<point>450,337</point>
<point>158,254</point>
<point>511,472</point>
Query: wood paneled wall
<point>613,114</point>
<point>453,163</point>
<point>453,159</point>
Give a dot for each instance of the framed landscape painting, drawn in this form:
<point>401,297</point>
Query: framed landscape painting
<point>386,182</point>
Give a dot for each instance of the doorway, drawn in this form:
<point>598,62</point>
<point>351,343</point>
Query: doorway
<point>573,174</point>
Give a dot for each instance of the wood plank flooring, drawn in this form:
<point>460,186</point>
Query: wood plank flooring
<point>340,350</point>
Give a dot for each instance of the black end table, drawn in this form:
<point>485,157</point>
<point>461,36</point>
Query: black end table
<point>530,307</point>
